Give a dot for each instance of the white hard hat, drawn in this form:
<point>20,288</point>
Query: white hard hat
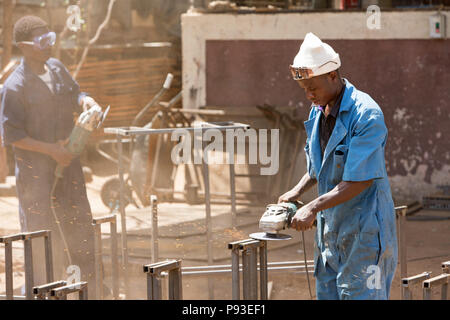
<point>314,58</point>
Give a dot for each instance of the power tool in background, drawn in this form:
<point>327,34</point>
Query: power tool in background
<point>277,217</point>
<point>88,121</point>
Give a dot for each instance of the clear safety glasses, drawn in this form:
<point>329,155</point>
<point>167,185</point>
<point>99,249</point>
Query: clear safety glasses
<point>44,41</point>
<point>306,73</point>
<point>300,73</point>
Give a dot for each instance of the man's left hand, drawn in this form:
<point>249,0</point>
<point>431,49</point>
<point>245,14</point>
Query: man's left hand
<point>87,103</point>
<point>303,219</point>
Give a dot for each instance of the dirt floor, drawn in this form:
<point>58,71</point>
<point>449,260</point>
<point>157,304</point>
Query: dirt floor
<point>182,235</point>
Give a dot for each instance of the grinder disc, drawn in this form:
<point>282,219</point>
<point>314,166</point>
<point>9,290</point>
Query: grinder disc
<point>269,236</point>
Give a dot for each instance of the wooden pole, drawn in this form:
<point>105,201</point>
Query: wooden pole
<point>8,7</point>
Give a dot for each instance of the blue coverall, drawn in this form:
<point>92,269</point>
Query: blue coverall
<point>30,109</point>
<point>355,242</point>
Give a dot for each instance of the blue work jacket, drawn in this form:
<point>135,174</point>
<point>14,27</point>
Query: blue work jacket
<point>364,226</point>
<point>30,109</point>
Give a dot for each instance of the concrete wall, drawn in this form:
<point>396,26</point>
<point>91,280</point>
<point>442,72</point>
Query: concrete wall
<point>241,61</point>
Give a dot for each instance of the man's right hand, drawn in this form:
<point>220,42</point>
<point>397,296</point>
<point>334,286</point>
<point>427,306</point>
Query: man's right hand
<point>289,196</point>
<point>60,154</point>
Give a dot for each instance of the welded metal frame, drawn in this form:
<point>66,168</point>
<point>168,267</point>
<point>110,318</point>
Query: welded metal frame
<point>61,293</point>
<point>155,271</point>
<point>249,250</point>
<point>402,252</point>
<point>97,224</point>
<point>429,284</point>
<point>121,132</point>
<point>27,238</point>
<point>407,283</point>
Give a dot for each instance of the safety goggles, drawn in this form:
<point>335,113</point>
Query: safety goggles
<point>44,41</point>
<point>307,73</point>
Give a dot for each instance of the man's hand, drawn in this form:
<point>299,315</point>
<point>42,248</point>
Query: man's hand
<point>303,219</point>
<point>87,102</point>
<point>291,195</point>
<point>60,154</point>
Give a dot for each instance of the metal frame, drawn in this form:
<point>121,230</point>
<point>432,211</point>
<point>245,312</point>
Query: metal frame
<point>61,293</point>
<point>27,238</point>
<point>97,224</point>
<point>446,267</point>
<point>249,249</point>
<point>155,242</point>
<point>43,292</point>
<point>121,132</point>
<point>440,280</point>
<point>408,282</point>
<point>401,231</point>
<point>154,273</point>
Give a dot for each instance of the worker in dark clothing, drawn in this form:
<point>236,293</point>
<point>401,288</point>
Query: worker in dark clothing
<point>39,104</point>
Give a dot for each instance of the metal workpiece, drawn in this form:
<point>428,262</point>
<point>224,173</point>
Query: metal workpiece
<point>249,250</point>
<point>446,267</point>
<point>156,271</point>
<point>429,284</point>
<point>401,232</point>
<point>27,238</point>
<point>155,242</point>
<point>42,292</point>
<point>414,280</point>
<point>61,293</point>
<point>97,224</point>
<point>132,131</point>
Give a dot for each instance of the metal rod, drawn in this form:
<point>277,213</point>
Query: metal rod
<point>224,271</point>
<point>155,244</point>
<point>263,276</point>
<point>114,258</point>
<point>42,291</point>
<point>245,275</point>
<point>29,279</point>
<point>233,193</point>
<point>235,273</point>
<point>48,257</point>
<point>401,214</point>
<point>209,247</point>
<point>9,270</point>
<point>221,266</point>
<point>123,217</point>
<point>98,261</point>
<point>253,274</point>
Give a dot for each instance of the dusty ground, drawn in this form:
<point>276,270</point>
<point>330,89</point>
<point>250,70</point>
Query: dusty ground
<point>182,235</point>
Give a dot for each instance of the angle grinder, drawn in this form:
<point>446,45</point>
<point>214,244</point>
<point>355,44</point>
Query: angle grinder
<point>276,217</point>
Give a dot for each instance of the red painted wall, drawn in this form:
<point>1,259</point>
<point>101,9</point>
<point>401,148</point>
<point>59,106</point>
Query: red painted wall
<point>410,80</point>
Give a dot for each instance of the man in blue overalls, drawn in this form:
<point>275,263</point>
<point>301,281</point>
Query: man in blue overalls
<point>39,103</point>
<point>355,242</point>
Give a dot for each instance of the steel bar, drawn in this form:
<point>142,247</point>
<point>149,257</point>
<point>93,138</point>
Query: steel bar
<point>97,223</point>
<point>235,285</point>
<point>408,282</point>
<point>28,261</point>
<point>401,227</point>
<point>61,293</point>
<point>445,267</point>
<point>41,292</point>
<point>205,170</point>
<point>127,131</point>
<point>263,276</point>
<point>9,270</point>
<point>245,275</point>
<point>298,269</point>
<point>155,243</point>
<point>233,192</point>
<point>114,258</point>
<point>48,257</point>
<point>155,270</point>
<point>98,261</point>
<point>429,284</point>
<point>221,266</point>
<point>122,216</point>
